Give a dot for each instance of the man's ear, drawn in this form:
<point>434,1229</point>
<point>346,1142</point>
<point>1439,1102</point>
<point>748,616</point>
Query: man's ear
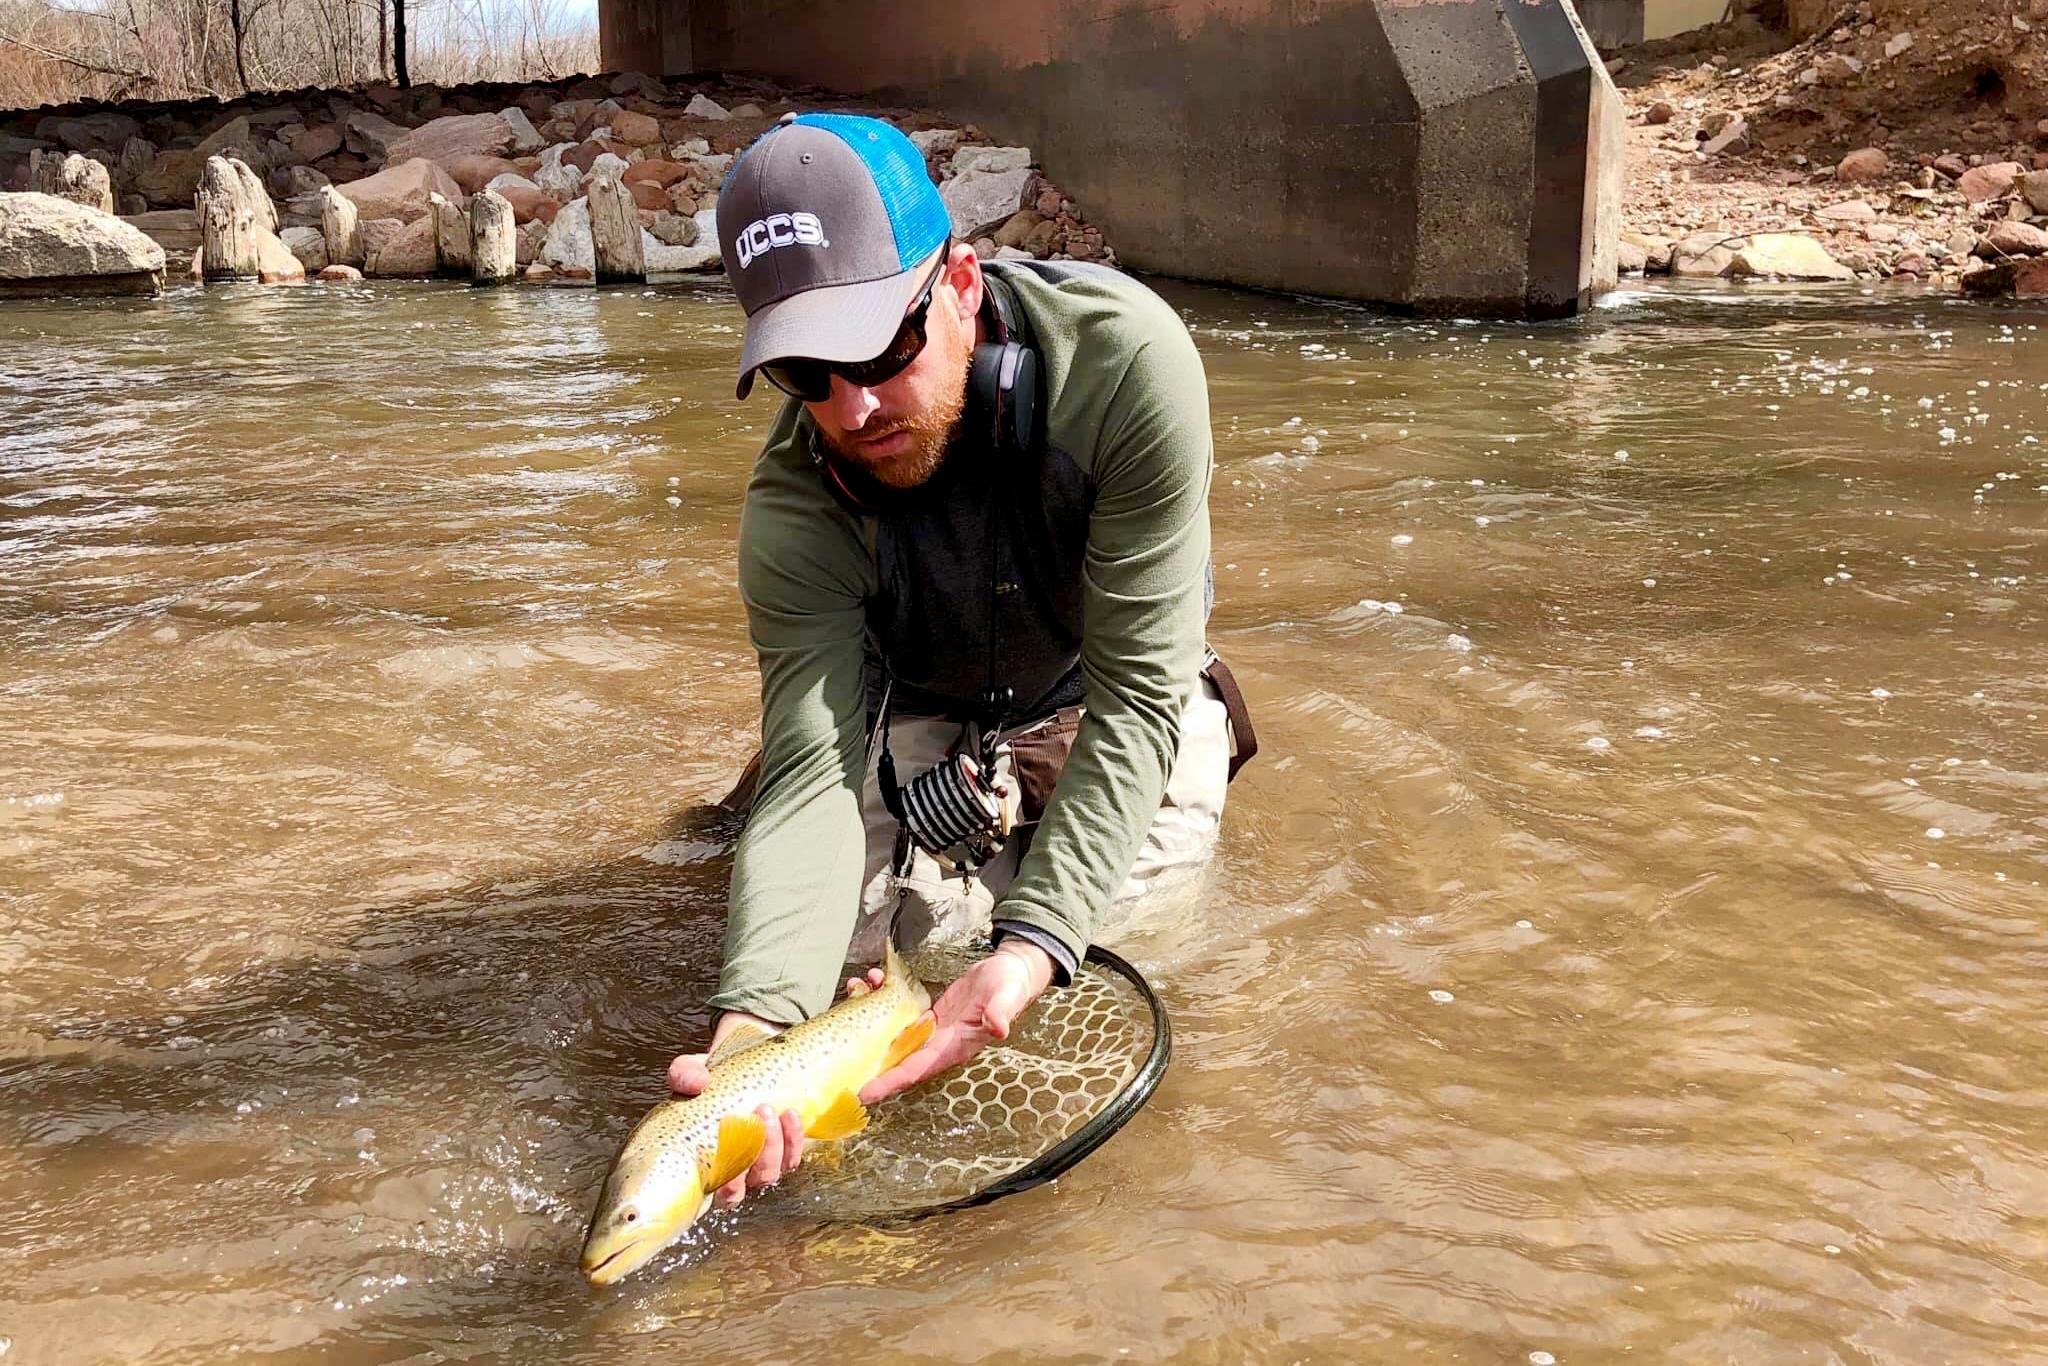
<point>963,273</point>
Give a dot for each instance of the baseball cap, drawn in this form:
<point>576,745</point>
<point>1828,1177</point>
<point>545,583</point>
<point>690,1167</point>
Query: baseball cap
<point>822,225</point>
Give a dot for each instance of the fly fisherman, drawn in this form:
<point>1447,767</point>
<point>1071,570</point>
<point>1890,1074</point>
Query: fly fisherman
<point>974,555</point>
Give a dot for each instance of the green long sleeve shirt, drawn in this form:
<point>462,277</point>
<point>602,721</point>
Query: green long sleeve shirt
<point>1126,398</point>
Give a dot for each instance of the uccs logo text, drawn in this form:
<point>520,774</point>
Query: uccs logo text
<point>763,235</point>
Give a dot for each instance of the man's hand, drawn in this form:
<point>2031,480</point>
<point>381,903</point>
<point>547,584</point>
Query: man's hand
<point>783,1151</point>
<point>979,1008</point>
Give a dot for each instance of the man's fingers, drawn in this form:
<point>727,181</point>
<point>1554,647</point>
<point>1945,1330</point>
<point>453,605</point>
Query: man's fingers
<point>687,1075</point>
<point>767,1168</point>
<point>792,1141</point>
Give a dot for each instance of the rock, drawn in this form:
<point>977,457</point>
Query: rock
<point>340,275</point>
<point>175,230</point>
<point>608,164</point>
<point>339,228</point>
<point>662,173</point>
<point>2011,238</point>
<point>1787,256</point>
<point>1837,68</point>
<point>749,110</point>
<point>1631,259</point>
<point>493,240</point>
<point>369,135</point>
<point>394,248</point>
<point>648,195</point>
<point>1989,181</point>
<point>1732,139</point>
<point>2033,187</point>
<point>557,177</point>
<point>525,138</point>
<point>171,178</point>
<point>568,241</point>
<point>702,254</point>
<point>615,231</point>
<point>1884,234</point>
<point>1951,165</point>
<point>527,200</point>
<point>1848,211</point>
<point>451,237</point>
<point>1912,263</point>
<point>932,141</point>
<point>1703,254</point>
<point>990,159</point>
<point>979,201</point>
<point>401,191</point>
<point>673,229</point>
<point>1017,229</point>
<point>106,130</point>
<point>458,135</point>
<point>1863,166</point>
<point>300,180</point>
<point>1712,124</point>
<point>583,156</point>
<point>238,227</point>
<point>638,83</point>
<point>1897,43</point>
<point>531,238</point>
<point>2025,278</point>
<point>314,143</point>
<point>52,245</point>
<point>472,173</point>
<point>67,175</point>
<point>700,107</point>
<point>308,245</point>
<point>539,272</point>
<point>1661,112</point>
<point>688,148</point>
<point>136,156</point>
<point>635,130</point>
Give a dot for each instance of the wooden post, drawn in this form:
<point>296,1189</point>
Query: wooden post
<point>237,227</point>
<point>493,239</point>
<point>615,231</point>
<point>451,236</point>
<point>338,225</point>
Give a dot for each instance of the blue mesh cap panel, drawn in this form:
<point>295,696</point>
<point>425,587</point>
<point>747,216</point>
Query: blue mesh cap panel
<point>912,202</point>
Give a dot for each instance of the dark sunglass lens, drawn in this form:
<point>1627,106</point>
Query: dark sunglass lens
<point>808,380</point>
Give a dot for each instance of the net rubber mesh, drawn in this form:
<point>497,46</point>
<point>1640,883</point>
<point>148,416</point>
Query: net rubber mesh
<point>1075,1053</point>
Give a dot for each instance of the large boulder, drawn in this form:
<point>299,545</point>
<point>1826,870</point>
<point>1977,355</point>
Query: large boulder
<point>527,200</point>
<point>49,244</point>
<point>1787,256</point>
<point>83,133</point>
<point>662,173</point>
<point>368,135</point>
<point>525,138</point>
<point>635,130</point>
<point>702,254</point>
<point>175,230</point>
<point>402,191</point>
<point>458,135</point>
<point>980,201</point>
<point>568,243</point>
<point>239,140</point>
<point>393,248</point>
<point>1992,180</point>
<point>308,245</point>
<point>311,144</point>
<point>472,173</point>
<point>171,178</point>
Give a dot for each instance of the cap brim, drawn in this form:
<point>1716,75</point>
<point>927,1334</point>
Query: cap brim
<point>835,322</point>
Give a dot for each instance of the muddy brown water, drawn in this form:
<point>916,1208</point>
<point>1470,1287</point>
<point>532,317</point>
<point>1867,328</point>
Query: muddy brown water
<point>1629,948</point>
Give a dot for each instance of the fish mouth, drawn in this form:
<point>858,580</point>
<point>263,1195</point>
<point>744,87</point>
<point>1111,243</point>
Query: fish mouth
<point>627,1257</point>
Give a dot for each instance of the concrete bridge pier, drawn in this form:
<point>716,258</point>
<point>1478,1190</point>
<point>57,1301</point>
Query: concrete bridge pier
<point>1445,156</point>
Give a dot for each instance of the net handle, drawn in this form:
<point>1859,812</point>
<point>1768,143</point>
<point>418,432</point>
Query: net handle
<point>1092,1135</point>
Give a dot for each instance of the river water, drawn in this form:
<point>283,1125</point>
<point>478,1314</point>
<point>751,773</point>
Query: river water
<point>1628,948</point>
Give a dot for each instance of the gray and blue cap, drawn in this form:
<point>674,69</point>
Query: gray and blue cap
<point>822,225</point>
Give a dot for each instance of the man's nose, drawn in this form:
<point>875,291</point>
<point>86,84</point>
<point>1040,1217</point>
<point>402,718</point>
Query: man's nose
<point>851,405</point>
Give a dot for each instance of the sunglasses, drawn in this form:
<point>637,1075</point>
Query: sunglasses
<point>811,380</point>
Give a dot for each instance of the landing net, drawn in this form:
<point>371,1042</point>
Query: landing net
<point>1084,1059</point>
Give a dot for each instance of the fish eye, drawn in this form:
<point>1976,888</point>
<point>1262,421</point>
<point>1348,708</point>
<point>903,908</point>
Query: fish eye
<point>630,1216</point>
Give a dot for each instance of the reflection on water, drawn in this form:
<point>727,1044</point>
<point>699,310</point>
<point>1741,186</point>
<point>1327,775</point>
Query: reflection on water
<point>1627,946</point>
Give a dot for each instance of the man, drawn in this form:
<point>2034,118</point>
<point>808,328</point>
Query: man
<point>924,582</point>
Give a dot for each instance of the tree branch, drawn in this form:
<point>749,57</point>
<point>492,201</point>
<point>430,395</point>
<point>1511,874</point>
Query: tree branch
<point>82,65</point>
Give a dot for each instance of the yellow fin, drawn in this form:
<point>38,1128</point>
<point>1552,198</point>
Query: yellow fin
<point>740,1139</point>
<point>909,1041</point>
<point>743,1037</point>
<point>843,1118</point>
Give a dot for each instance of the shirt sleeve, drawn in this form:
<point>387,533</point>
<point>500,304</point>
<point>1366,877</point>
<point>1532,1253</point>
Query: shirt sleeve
<point>796,872</point>
<point>1141,639</point>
